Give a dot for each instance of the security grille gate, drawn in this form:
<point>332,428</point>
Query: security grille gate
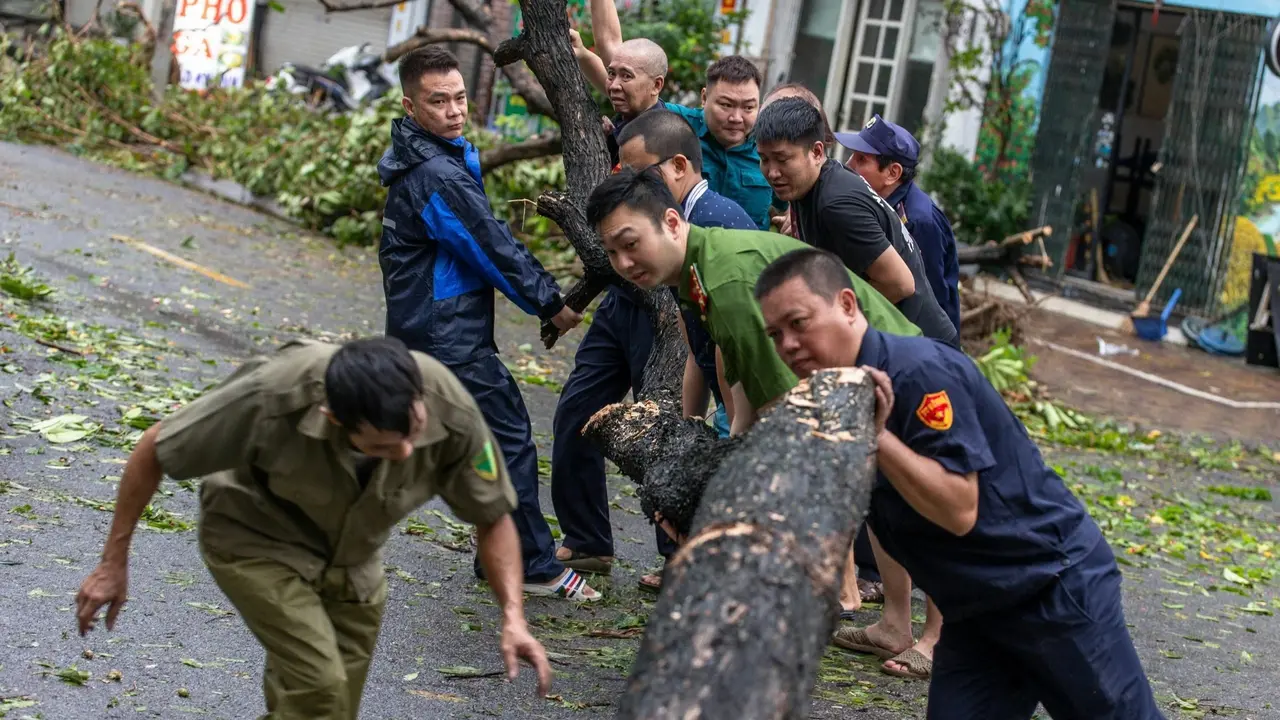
<point>1082,39</point>
<point>1207,131</point>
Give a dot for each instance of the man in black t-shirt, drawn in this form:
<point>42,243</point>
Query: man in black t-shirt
<point>837,211</point>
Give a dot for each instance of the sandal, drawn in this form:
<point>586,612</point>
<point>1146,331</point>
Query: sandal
<point>570,586</point>
<point>918,666</point>
<point>652,582</point>
<point>871,592</point>
<point>857,640</point>
<point>590,564</point>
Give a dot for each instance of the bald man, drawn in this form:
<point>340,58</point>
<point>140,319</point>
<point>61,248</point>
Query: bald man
<point>631,73</point>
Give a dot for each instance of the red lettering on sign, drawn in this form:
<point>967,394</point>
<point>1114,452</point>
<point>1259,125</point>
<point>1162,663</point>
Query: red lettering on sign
<point>237,11</point>
<point>182,12</point>
<point>213,6</point>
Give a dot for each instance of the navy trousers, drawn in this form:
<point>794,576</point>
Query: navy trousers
<point>1067,648</point>
<point>498,396</point>
<point>610,361</point>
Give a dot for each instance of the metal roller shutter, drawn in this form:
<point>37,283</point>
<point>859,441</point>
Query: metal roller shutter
<point>305,35</point>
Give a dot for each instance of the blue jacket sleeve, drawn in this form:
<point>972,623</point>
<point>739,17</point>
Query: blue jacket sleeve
<point>460,216</point>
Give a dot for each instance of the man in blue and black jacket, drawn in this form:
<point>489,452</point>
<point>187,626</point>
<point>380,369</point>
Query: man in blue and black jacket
<point>442,255</point>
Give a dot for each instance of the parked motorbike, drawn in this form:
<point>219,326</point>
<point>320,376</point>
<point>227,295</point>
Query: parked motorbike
<point>350,79</point>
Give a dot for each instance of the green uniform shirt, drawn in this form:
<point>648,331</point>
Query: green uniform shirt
<point>280,479</point>
<point>733,172</point>
<point>728,263</point>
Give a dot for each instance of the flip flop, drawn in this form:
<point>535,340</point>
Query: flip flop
<point>572,587</point>
<point>918,666</point>
<point>848,614</point>
<point>871,592</point>
<point>590,564</point>
<point>651,586</point>
<point>857,640</point>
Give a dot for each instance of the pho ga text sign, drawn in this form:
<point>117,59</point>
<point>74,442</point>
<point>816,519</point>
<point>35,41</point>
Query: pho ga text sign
<point>211,42</point>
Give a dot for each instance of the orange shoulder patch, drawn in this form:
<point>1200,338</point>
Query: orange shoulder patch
<point>935,411</point>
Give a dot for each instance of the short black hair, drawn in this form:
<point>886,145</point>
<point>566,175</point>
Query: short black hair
<point>735,70</point>
<point>822,271</point>
<point>908,171</point>
<point>643,191</point>
<point>373,380</point>
<point>790,120</point>
<point>428,59</point>
<point>666,135</point>
<point>809,96</point>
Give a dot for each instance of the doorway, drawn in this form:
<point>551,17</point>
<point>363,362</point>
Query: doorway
<point>1118,179</point>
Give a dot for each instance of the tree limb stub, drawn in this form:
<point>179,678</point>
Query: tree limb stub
<point>749,602</point>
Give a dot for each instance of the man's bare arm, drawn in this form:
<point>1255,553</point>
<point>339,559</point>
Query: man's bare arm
<point>607,29</point>
<point>108,583</point>
<point>590,64</point>
<point>499,549</point>
<point>891,277</point>
<point>944,498</point>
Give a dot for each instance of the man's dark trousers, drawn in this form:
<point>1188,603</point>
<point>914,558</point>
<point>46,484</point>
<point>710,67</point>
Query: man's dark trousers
<point>609,362</point>
<point>1067,648</point>
<point>498,396</point>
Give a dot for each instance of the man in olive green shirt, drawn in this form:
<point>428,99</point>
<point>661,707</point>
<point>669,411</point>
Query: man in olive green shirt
<point>309,459</point>
<point>715,270</point>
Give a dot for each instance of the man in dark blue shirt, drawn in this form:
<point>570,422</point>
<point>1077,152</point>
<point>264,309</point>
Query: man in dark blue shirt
<point>885,155</point>
<point>442,255</point>
<point>612,355</point>
<point>1029,588</point>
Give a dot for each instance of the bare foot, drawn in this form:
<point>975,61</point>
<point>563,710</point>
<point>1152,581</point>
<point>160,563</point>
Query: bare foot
<point>924,647</point>
<point>897,641</point>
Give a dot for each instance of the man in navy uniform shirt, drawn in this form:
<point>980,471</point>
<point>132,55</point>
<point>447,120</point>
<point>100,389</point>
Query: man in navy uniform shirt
<point>885,156</point>
<point>612,355</point>
<point>1029,588</point>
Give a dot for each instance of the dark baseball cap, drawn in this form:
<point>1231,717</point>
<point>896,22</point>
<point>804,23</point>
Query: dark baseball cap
<point>881,137</point>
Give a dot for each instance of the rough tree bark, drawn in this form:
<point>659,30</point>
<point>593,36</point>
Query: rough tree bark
<point>544,46</point>
<point>751,598</point>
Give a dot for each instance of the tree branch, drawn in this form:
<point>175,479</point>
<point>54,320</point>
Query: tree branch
<point>534,147</point>
<point>474,13</point>
<point>521,80</point>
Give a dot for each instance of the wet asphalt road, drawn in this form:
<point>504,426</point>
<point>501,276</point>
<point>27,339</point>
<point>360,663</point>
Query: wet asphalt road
<point>152,334</point>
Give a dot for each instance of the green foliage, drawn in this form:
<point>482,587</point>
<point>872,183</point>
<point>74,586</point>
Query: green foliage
<point>979,210</point>
<point>94,96</point>
<point>997,82</point>
<point>1006,365</point>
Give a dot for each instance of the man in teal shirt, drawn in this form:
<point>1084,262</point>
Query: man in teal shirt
<point>649,243</point>
<point>730,102</point>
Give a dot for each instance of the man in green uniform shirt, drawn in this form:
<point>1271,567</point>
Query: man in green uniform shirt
<point>650,243</point>
<point>309,459</point>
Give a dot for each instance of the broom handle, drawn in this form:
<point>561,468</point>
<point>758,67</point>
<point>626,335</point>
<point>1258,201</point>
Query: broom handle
<point>1186,233</point>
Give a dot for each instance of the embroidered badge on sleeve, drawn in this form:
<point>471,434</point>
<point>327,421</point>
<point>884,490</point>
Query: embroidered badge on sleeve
<point>935,411</point>
<point>696,292</point>
<point>485,464</point>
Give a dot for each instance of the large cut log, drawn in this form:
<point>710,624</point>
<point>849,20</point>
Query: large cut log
<point>750,600</point>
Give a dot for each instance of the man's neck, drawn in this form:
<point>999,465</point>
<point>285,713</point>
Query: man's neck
<point>682,190</point>
<point>635,114</point>
<point>889,191</point>
<point>682,239</point>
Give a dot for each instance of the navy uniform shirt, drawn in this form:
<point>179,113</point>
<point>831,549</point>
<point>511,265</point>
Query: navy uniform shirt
<point>1030,527</point>
<point>932,232</point>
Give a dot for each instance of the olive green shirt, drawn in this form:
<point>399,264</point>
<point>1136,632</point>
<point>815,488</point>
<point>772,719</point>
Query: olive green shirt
<point>279,478</point>
<point>727,264</point>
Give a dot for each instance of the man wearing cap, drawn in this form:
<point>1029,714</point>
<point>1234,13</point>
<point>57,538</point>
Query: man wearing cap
<point>836,210</point>
<point>885,155</point>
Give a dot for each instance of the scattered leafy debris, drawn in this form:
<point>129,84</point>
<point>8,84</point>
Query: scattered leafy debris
<point>19,281</point>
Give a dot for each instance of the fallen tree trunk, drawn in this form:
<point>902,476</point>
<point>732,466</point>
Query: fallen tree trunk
<point>750,600</point>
